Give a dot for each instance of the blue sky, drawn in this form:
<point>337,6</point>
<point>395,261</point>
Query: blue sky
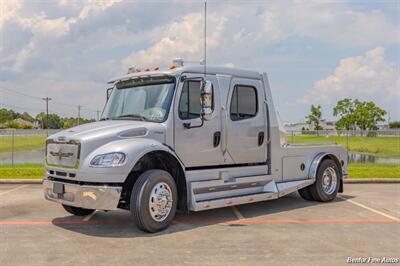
<point>314,52</point>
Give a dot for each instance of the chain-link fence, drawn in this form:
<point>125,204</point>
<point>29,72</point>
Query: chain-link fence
<point>382,146</point>
<point>363,146</point>
<point>22,146</point>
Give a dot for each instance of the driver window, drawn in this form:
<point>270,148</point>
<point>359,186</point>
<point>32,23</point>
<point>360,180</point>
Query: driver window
<point>189,103</point>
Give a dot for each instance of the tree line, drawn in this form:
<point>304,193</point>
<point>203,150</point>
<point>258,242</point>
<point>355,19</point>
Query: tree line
<point>352,114</point>
<point>11,119</point>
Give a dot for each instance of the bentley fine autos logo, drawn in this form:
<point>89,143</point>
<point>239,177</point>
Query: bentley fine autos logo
<point>373,260</point>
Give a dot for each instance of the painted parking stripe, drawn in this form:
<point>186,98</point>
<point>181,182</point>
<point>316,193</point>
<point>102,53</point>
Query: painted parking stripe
<point>11,190</point>
<point>237,213</point>
<point>306,221</point>
<point>255,221</point>
<point>370,209</point>
<point>250,221</point>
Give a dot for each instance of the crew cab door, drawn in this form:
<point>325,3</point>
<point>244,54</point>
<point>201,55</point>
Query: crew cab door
<point>246,121</point>
<point>197,146</point>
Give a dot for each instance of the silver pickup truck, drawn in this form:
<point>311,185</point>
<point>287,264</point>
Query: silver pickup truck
<point>182,139</point>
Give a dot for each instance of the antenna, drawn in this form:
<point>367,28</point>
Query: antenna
<point>205,39</point>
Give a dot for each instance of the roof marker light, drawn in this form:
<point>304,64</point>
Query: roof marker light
<point>132,69</point>
<point>178,62</point>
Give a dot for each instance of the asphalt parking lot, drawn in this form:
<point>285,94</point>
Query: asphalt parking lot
<point>363,222</point>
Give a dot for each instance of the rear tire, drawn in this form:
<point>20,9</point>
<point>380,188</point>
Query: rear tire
<point>305,193</point>
<point>154,201</point>
<point>327,183</point>
<point>77,211</point>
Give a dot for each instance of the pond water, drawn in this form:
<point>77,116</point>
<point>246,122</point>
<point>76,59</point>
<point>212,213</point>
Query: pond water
<point>355,157</point>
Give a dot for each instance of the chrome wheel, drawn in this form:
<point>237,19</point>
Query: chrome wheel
<point>160,203</point>
<point>329,180</point>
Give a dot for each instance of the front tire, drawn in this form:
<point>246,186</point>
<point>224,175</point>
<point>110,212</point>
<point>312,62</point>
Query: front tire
<point>154,200</point>
<point>326,185</point>
<point>77,211</point>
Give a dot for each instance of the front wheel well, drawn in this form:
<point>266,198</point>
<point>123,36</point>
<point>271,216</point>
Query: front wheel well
<point>156,160</point>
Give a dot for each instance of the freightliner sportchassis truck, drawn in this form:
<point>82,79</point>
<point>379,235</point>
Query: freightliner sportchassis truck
<point>181,139</point>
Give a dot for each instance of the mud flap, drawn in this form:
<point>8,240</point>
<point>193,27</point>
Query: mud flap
<point>341,186</point>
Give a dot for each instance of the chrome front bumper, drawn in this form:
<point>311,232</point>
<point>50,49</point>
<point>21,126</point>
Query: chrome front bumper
<point>84,196</point>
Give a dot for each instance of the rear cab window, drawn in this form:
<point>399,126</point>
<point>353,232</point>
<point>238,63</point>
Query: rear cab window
<point>244,104</point>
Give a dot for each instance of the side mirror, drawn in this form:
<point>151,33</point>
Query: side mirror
<point>109,90</point>
<point>206,99</point>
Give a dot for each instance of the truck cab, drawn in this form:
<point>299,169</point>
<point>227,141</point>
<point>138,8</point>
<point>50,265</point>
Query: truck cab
<point>182,138</point>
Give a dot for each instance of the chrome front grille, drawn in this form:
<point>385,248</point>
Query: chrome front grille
<point>62,154</point>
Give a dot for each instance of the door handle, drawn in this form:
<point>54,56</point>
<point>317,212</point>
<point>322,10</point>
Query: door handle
<point>260,138</point>
<point>217,139</point>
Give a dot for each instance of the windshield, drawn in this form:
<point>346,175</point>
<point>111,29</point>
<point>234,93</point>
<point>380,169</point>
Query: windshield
<point>146,99</point>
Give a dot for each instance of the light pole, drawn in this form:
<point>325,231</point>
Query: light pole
<point>79,114</point>
<point>47,99</point>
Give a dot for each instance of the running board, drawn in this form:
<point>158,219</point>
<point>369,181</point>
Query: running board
<point>214,194</point>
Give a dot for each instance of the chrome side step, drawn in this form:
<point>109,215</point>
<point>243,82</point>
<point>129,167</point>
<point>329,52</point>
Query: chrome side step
<point>219,193</point>
<point>219,203</point>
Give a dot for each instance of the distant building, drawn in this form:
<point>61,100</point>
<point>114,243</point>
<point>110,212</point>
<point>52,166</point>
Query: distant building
<point>36,124</point>
<point>383,127</point>
<point>296,126</point>
<point>328,125</point>
<point>23,123</point>
<point>325,124</point>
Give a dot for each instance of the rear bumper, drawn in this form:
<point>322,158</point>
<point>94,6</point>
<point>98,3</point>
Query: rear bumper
<point>98,197</point>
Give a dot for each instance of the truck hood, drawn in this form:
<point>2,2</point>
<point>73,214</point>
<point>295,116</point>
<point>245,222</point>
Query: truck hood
<point>104,129</point>
<point>95,135</point>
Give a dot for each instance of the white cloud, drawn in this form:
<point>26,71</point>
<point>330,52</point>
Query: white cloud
<point>232,31</point>
<point>89,41</point>
<point>8,10</point>
<point>329,22</point>
<point>46,33</point>
<point>166,34</point>
<point>96,6</point>
<point>182,38</point>
<point>366,77</point>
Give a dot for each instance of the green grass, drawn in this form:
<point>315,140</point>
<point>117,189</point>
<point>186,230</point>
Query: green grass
<point>22,171</point>
<point>356,170</point>
<point>374,170</point>
<point>22,143</point>
<point>379,146</point>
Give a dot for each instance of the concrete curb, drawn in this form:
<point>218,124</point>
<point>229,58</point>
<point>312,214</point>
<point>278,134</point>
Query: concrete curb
<point>346,181</point>
<point>372,181</point>
<point>21,181</point>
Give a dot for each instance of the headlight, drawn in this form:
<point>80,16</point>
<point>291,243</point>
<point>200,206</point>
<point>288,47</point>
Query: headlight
<point>108,160</point>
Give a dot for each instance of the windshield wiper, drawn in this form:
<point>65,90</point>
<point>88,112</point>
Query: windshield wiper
<point>131,116</point>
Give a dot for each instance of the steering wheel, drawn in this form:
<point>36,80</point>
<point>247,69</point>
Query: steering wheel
<point>154,113</point>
